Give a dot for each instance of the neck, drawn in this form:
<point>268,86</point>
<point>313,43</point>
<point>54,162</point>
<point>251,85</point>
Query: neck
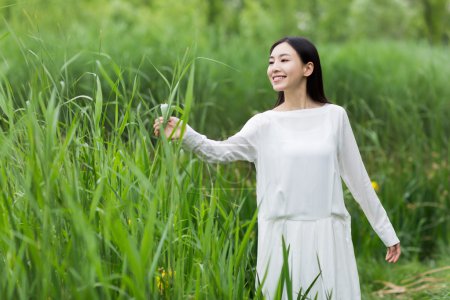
<point>297,98</point>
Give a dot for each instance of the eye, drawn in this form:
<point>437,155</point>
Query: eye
<point>284,60</point>
<point>270,62</point>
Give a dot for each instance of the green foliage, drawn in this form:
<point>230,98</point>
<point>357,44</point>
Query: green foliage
<point>93,206</point>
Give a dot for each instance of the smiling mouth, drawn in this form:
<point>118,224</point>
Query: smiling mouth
<point>278,78</point>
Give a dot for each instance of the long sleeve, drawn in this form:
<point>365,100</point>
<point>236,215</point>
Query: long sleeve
<point>355,176</point>
<point>241,146</point>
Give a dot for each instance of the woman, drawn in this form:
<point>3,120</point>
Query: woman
<point>301,149</point>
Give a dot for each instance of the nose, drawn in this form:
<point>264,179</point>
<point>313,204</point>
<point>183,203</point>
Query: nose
<point>274,67</point>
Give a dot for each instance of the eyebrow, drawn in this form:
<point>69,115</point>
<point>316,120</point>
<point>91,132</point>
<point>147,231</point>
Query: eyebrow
<point>281,55</point>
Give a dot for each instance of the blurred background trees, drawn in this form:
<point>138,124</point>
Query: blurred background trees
<point>323,20</point>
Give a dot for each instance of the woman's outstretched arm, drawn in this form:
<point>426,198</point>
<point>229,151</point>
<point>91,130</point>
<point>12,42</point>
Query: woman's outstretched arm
<point>241,146</point>
<point>355,176</point>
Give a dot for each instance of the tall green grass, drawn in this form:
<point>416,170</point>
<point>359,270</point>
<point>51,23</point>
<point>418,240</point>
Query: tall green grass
<point>93,206</point>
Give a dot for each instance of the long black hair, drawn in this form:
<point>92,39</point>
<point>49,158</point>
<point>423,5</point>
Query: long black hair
<point>307,53</point>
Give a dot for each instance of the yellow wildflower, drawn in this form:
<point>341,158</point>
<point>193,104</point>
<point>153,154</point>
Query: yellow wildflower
<point>163,281</point>
<point>375,186</point>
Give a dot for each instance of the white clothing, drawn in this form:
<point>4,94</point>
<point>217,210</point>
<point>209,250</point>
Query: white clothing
<point>300,157</point>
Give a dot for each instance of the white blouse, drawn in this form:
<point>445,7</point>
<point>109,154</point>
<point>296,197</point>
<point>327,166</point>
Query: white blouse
<point>300,157</point>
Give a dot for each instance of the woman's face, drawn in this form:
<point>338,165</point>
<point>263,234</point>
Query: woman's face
<point>286,70</point>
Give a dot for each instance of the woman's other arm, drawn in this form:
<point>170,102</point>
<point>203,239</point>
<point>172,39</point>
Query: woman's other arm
<point>355,176</point>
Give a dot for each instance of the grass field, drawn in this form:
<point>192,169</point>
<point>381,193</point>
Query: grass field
<point>92,206</point>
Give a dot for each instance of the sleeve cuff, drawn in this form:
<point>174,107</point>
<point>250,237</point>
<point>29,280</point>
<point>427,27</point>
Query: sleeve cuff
<point>190,138</point>
<point>389,237</point>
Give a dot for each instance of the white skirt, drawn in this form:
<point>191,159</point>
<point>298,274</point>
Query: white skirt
<point>315,246</point>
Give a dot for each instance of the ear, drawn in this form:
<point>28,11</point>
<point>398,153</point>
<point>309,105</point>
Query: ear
<point>308,69</point>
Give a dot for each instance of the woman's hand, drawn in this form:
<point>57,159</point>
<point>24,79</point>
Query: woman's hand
<point>171,123</point>
<point>393,253</point>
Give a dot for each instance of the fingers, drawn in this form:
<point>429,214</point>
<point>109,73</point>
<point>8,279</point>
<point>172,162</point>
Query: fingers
<point>389,255</point>
<point>172,121</point>
<point>156,124</point>
<point>393,257</point>
<point>397,253</point>
<point>393,254</point>
<point>159,121</point>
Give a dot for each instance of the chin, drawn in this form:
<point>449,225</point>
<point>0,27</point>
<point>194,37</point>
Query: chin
<point>278,89</point>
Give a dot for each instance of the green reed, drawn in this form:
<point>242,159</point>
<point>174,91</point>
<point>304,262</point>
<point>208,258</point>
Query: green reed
<point>94,206</point>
